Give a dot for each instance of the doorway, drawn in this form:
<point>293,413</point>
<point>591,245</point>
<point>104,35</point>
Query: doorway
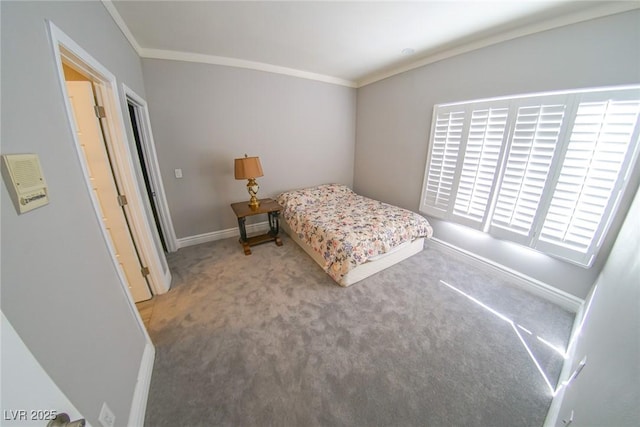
<point>149,168</point>
<point>145,174</point>
<point>90,131</point>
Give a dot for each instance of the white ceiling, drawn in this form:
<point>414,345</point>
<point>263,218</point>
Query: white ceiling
<point>351,43</point>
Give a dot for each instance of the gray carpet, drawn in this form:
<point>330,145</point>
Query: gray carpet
<point>270,340</point>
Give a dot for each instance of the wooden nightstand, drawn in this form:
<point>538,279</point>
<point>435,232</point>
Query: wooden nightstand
<point>267,206</point>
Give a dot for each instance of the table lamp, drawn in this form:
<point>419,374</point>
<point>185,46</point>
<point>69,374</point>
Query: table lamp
<point>249,168</point>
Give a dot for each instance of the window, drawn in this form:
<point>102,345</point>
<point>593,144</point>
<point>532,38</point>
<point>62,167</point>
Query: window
<point>546,170</point>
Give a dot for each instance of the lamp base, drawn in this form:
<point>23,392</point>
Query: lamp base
<point>254,203</point>
<point>252,188</point>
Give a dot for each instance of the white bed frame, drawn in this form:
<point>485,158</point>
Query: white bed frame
<point>370,267</point>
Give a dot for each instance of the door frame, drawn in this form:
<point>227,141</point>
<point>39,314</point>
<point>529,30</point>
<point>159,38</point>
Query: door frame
<point>153,166</point>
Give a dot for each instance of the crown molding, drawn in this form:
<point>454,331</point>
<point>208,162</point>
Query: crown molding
<point>241,63</point>
<point>609,8</point>
<point>108,4</point>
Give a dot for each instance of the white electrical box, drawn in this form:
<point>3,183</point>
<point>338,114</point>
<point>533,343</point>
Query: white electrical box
<point>23,177</point>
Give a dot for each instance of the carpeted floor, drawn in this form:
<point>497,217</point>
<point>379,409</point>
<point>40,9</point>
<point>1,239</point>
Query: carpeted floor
<point>270,340</point>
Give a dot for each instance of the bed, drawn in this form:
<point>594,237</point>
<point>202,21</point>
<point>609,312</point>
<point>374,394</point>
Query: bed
<point>351,236</point>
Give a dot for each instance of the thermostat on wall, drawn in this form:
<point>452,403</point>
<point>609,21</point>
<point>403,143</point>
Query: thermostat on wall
<point>23,177</point>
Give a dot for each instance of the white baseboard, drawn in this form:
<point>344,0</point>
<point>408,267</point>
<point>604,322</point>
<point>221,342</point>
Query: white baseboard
<point>536,287</point>
<point>141,392</point>
<point>259,227</point>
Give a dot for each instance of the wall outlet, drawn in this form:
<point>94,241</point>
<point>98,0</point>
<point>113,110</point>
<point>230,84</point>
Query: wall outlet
<point>106,417</point>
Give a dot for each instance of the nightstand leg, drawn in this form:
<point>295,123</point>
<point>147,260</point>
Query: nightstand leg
<point>274,223</point>
<point>243,236</point>
<point>274,226</point>
<point>243,230</point>
<point>247,248</point>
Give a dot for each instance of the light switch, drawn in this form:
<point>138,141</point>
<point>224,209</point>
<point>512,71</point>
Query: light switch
<point>178,173</point>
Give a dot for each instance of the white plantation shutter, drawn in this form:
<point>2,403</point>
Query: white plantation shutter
<point>531,151</point>
<point>443,159</point>
<point>546,171</point>
<point>481,156</point>
<point>605,132</point>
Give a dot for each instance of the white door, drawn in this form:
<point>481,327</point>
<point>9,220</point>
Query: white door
<point>103,184</point>
<point>29,395</point>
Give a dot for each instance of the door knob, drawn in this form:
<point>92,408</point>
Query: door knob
<point>63,420</point>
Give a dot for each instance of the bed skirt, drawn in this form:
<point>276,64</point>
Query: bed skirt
<point>370,267</point>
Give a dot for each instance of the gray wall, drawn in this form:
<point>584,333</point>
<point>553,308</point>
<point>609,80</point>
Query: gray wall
<point>204,116</point>
<point>60,289</point>
<point>607,392</point>
<point>394,119</point>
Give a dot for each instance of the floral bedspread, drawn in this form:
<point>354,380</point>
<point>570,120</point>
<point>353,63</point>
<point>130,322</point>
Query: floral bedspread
<point>347,229</point>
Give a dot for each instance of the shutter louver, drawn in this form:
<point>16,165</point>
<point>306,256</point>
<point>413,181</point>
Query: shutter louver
<point>482,153</point>
<point>443,160</point>
<point>549,171</point>
<point>533,144</point>
<point>589,179</point>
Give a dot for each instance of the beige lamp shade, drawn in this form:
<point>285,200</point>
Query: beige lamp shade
<point>247,168</point>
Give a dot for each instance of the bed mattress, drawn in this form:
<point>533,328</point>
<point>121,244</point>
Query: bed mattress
<point>342,230</point>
